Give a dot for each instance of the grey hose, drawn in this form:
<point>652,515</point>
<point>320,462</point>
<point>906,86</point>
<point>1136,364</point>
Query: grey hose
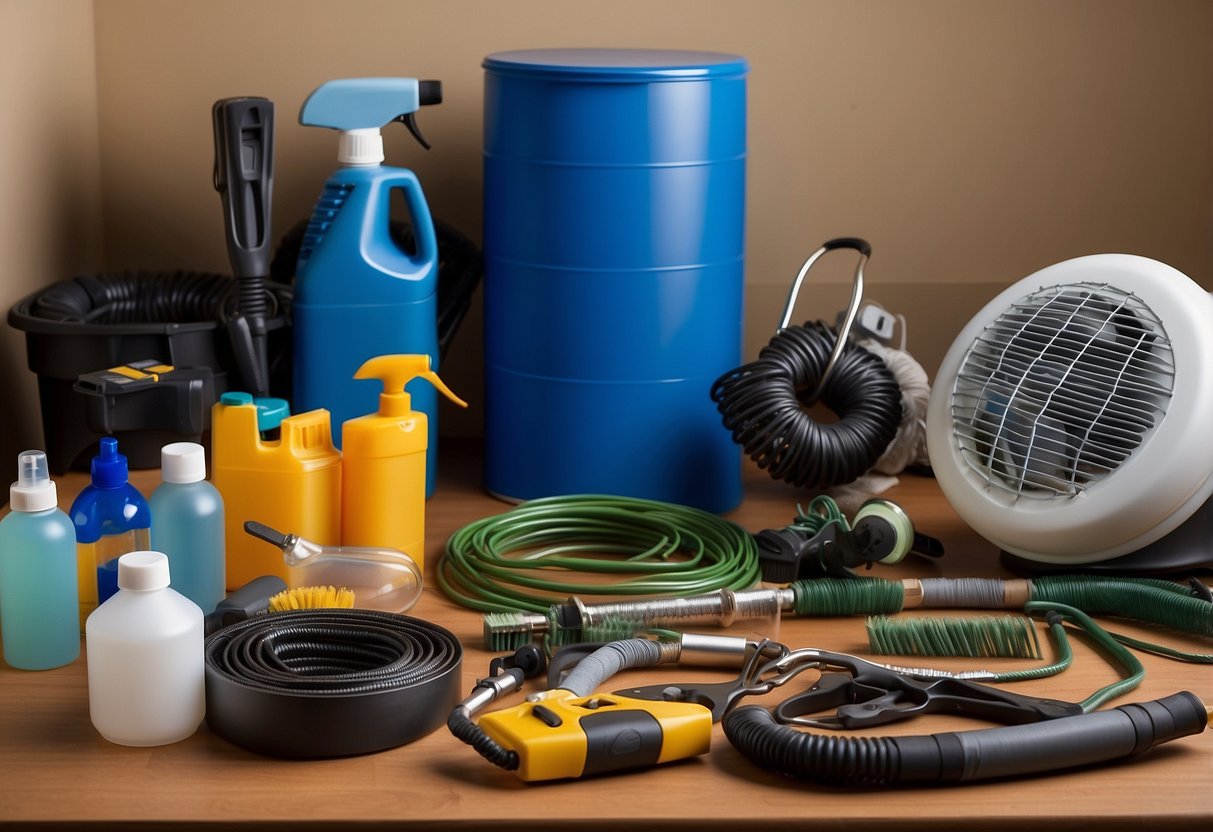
<point>595,669</point>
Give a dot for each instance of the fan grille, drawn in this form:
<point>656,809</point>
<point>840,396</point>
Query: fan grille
<point>1061,389</point>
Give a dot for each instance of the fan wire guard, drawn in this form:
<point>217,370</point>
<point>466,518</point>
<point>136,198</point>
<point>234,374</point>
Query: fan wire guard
<point>1061,389</point>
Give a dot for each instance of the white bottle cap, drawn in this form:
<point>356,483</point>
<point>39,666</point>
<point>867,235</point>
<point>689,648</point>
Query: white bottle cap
<point>182,462</point>
<point>34,489</point>
<point>143,570</point>
<point>360,147</point>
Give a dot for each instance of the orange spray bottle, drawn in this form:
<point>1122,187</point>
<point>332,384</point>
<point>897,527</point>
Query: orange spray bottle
<point>383,464</point>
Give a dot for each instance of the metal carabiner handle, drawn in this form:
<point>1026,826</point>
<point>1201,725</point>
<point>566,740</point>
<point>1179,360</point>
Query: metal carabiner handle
<point>865,251</point>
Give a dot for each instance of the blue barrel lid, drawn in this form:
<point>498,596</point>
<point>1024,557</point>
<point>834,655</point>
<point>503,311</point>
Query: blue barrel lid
<point>616,65</point>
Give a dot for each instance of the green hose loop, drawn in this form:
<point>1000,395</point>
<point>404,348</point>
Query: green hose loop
<point>1104,641</point>
<point>1065,658</point>
<point>543,551</point>
<point>822,512</point>
<point>847,596</point>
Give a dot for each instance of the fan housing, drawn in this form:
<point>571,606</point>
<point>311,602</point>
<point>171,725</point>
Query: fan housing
<point>1067,423</point>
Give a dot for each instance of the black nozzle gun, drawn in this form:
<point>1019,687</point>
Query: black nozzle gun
<point>244,178</point>
<point>786,555</point>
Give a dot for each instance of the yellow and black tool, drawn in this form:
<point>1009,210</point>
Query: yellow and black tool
<point>571,731</point>
<point>561,735</point>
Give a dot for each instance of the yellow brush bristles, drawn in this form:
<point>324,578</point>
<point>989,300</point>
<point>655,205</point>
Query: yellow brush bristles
<point>311,598</point>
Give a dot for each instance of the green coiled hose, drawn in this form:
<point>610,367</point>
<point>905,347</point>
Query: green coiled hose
<point>545,550</point>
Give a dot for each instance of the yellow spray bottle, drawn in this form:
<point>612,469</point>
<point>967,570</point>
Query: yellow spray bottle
<point>383,464</point>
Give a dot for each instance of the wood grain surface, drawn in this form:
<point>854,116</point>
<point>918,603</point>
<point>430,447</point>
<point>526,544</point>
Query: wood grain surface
<point>56,769</point>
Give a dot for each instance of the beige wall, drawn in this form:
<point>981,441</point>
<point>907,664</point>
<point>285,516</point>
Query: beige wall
<point>50,203</point>
<point>971,142</point>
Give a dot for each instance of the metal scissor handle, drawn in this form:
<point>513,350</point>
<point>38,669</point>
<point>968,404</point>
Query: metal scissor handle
<point>865,694</point>
<point>865,251</point>
<point>760,674</point>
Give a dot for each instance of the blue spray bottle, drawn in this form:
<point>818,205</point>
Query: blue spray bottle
<point>358,293</point>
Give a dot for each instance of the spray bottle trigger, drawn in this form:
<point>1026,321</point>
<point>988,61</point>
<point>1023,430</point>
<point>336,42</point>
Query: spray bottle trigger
<point>428,92</point>
<point>396,371</point>
<point>409,120</point>
<point>438,383</point>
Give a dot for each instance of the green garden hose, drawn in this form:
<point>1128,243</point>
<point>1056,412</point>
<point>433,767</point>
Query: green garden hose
<point>543,551</point>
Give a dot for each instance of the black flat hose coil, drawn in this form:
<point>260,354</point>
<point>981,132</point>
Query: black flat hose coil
<point>330,682</point>
<point>761,404</point>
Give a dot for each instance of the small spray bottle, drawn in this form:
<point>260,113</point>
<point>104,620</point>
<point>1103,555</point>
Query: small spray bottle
<point>38,602</point>
<point>384,461</point>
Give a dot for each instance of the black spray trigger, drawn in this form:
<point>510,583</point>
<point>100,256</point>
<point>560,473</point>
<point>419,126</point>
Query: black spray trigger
<point>428,93</point>
<point>410,121</point>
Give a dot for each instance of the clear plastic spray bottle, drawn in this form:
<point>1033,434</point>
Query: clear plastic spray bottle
<point>38,602</point>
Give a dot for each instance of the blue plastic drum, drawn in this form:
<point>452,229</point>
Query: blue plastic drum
<point>614,238</point>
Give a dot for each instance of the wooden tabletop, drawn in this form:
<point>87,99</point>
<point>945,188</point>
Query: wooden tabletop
<point>55,768</point>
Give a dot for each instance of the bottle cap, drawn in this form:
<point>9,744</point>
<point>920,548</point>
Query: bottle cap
<point>143,571</point>
<point>236,399</point>
<point>271,412</point>
<point>109,467</point>
<point>182,462</point>
<point>360,147</point>
<point>34,489</point>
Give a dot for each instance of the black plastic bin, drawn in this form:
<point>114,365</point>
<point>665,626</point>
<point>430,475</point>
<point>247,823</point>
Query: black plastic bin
<point>96,322</point>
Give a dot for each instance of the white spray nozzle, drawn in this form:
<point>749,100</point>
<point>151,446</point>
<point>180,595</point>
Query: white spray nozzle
<point>32,471</point>
<point>34,490</point>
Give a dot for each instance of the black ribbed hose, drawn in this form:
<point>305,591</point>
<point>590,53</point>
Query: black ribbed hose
<point>461,725</point>
<point>964,756</point>
<point>763,404</point>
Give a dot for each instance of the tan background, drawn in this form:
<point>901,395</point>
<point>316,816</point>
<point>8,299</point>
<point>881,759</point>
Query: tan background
<point>971,142</point>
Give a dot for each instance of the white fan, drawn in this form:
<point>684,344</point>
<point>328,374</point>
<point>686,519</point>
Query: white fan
<point>1071,422</point>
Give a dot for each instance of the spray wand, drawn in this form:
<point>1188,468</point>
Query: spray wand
<point>244,178</point>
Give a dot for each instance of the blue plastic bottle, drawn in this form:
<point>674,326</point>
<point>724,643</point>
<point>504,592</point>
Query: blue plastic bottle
<point>111,518</point>
<point>187,524</point>
<point>38,604</point>
<point>358,294</point>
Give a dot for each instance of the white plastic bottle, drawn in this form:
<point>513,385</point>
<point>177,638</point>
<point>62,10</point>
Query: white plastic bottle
<point>145,666</point>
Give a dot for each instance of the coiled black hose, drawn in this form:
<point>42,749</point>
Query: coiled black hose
<point>140,297</point>
<point>762,405</point>
<point>146,297</point>
<point>330,682</point>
